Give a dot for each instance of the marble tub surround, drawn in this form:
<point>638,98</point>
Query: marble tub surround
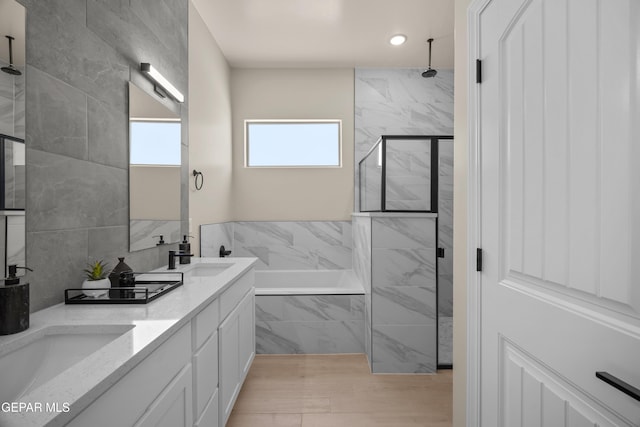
<point>283,245</point>
<point>309,324</point>
<point>212,236</point>
<point>144,232</point>
<point>152,325</point>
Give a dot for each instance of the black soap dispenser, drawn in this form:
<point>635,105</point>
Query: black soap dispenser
<point>185,248</point>
<point>14,303</point>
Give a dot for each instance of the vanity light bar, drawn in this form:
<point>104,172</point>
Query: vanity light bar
<point>159,79</point>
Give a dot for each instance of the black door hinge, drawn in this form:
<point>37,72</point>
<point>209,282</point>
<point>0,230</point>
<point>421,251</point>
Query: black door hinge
<point>478,259</point>
<point>478,71</point>
<point>440,252</point>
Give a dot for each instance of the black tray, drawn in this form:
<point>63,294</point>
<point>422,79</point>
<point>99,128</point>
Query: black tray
<point>143,292</point>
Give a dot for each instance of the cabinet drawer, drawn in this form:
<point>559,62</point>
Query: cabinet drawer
<point>206,373</point>
<point>205,323</point>
<point>232,296</point>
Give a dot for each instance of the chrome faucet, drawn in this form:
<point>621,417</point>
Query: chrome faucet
<point>172,258</point>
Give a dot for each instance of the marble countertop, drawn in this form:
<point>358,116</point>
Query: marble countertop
<point>152,324</point>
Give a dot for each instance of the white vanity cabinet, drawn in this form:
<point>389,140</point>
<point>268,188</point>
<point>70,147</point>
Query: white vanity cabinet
<point>237,345</point>
<point>194,377</point>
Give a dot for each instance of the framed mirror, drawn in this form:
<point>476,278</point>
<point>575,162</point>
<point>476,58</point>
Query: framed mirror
<point>154,172</point>
<point>12,134</point>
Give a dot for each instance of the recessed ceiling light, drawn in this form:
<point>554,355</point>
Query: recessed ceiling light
<point>398,39</point>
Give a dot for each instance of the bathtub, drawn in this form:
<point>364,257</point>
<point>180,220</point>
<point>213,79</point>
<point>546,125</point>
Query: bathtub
<point>309,312</point>
<point>307,282</point>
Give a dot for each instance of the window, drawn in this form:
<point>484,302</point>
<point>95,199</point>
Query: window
<point>293,143</point>
<point>155,142</point>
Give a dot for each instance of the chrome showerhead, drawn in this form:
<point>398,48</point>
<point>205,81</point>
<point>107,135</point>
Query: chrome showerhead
<point>430,72</point>
<point>11,69</point>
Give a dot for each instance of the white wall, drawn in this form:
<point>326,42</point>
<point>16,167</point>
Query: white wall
<point>209,128</point>
<point>460,217</point>
<point>267,194</point>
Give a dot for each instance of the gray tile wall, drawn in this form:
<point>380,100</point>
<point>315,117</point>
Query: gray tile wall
<point>283,245</point>
<point>80,56</point>
<point>309,324</point>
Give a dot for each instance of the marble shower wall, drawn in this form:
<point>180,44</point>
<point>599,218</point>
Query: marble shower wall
<point>402,102</point>
<point>12,103</point>
<point>81,54</point>
<point>408,175</point>
<point>403,304</point>
<point>309,324</point>
<point>445,241</point>
<point>399,101</point>
<point>283,245</point>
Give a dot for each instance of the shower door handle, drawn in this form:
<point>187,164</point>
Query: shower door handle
<point>616,382</point>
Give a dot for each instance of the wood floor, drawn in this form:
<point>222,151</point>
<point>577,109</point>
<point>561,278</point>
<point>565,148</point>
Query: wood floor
<point>336,391</point>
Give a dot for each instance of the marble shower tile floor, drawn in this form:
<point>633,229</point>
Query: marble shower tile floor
<point>338,390</point>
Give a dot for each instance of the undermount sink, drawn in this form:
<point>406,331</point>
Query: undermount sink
<point>207,270</point>
<point>40,356</point>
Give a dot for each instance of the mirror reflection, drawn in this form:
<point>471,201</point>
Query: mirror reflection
<point>154,172</point>
<point>12,133</point>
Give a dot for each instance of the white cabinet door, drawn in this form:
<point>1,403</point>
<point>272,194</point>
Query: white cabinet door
<point>174,406</point>
<point>205,373</point>
<point>210,416</point>
<point>229,360</point>
<point>237,350</point>
<point>247,331</point>
<point>559,140</point>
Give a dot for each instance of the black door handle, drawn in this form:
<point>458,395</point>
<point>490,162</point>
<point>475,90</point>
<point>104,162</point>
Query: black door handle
<point>616,382</point>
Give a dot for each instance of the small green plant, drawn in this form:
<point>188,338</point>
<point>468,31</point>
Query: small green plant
<point>96,270</point>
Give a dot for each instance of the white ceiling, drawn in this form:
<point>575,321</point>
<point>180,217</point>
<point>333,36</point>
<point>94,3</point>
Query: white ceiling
<point>330,33</point>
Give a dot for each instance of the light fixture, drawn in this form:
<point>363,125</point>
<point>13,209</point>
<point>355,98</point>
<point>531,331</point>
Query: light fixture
<point>398,39</point>
<point>155,76</point>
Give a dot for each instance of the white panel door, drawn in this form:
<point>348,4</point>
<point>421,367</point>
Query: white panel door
<point>558,117</point>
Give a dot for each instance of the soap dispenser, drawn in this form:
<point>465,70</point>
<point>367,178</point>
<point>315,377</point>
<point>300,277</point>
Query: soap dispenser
<point>185,248</point>
<point>14,303</point>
